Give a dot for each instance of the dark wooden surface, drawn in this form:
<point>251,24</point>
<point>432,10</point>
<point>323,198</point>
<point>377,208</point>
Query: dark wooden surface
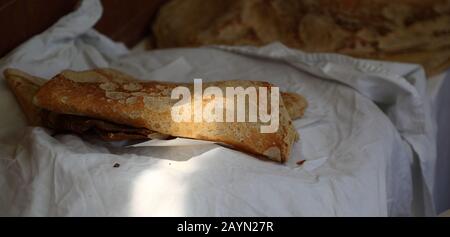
<point>127,21</point>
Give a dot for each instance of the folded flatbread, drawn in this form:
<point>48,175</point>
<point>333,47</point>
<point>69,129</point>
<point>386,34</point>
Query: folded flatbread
<point>116,106</point>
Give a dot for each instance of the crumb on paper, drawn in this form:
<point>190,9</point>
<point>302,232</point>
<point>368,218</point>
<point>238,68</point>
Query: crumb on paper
<point>300,162</point>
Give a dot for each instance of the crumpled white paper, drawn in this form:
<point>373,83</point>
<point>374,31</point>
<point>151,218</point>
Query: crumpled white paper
<point>367,138</point>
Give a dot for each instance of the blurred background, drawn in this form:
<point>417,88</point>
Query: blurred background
<point>414,31</point>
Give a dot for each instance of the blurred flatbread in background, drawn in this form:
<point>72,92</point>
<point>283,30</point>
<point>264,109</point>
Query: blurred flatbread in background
<point>413,31</point>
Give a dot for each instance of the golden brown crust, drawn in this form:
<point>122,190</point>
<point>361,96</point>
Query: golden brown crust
<point>116,97</point>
